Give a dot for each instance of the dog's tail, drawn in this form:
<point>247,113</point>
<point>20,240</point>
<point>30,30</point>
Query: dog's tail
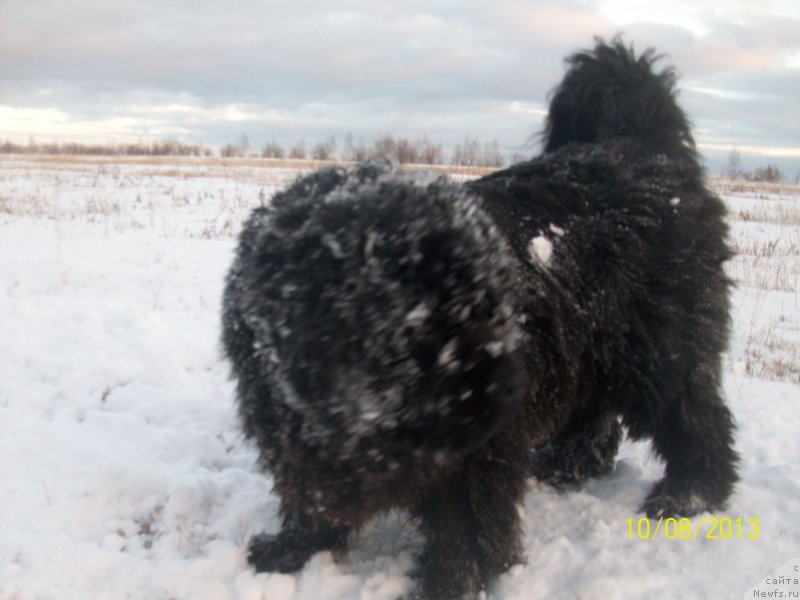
<point>381,313</point>
<point>610,93</point>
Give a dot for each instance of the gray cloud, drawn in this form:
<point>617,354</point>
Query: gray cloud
<point>208,71</point>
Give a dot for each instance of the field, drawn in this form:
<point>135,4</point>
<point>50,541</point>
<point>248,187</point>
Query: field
<point>125,475</point>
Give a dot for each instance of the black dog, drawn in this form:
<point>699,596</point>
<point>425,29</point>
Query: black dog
<point>400,341</point>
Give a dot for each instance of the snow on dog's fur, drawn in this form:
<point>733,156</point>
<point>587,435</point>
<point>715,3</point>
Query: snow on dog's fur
<point>401,341</point>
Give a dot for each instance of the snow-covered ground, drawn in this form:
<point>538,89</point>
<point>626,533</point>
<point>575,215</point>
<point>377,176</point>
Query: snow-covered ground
<point>124,474</point>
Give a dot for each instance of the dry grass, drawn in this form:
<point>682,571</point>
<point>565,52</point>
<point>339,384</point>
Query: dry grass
<point>766,269</point>
<point>770,265</point>
<point>757,189</point>
<point>771,354</point>
<point>779,214</point>
<point>176,166</point>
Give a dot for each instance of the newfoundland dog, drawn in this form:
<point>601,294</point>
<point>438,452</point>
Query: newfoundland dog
<point>400,341</point>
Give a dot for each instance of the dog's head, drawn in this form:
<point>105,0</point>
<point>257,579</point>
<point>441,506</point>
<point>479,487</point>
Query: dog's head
<point>387,300</point>
<point>611,93</point>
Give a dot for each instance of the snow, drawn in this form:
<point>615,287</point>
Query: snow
<point>418,315</point>
<point>540,250</point>
<point>125,474</point>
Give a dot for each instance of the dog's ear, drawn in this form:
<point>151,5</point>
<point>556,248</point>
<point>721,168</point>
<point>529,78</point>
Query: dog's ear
<point>611,93</point>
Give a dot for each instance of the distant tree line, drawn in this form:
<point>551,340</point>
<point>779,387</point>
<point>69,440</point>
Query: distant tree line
<point>421,151</point>
<point>165,148</point>
<point>733,171</point>
<point>469,153</point>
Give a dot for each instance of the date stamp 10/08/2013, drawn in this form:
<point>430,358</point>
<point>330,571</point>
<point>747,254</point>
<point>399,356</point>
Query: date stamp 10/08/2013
<point>709,528</point>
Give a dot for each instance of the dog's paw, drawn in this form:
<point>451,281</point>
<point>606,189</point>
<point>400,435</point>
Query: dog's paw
<point>548,468</point>
<point>668,499</point>
<point>274,553</point>
<point>567,467</point>
<point>566,462</point>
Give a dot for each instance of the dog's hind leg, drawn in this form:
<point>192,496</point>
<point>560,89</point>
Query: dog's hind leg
<point>586,448</point>
<point>289,550</point>
<point>695,438</point>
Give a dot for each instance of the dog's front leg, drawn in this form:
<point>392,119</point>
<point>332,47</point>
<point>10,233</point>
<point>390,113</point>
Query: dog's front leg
<point>472,522</point>
<point>448,567</point>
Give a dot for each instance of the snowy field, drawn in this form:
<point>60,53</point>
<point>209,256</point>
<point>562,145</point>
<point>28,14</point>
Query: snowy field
<point>125,475</point>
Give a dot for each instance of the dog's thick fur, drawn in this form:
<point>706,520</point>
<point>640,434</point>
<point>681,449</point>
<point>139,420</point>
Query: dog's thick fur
<point>401,341</point>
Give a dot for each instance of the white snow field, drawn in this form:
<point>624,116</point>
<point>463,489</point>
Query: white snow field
<point>124,472</point>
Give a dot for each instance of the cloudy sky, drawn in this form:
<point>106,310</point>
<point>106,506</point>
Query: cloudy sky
<point>206,71</point>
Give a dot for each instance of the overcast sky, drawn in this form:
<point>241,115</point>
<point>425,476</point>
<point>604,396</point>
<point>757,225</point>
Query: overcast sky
<point>206,71</point>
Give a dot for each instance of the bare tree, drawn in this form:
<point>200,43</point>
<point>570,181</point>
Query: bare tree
<point>360,153</point>
<point>428,153</point>
<point>324,150</point>
<point>385,147</point>
<point>491,157</point>
<point>272,150</point>
<point>770,174</point>
<point>243,144</point>
<point>466,154</point>
<point>237,150</point>
<point>354,151</point>
<point>406,152</point>
<point>298,151</point>
<point>229,151</point>
<point>348,151</point>
<point>733,168</point>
